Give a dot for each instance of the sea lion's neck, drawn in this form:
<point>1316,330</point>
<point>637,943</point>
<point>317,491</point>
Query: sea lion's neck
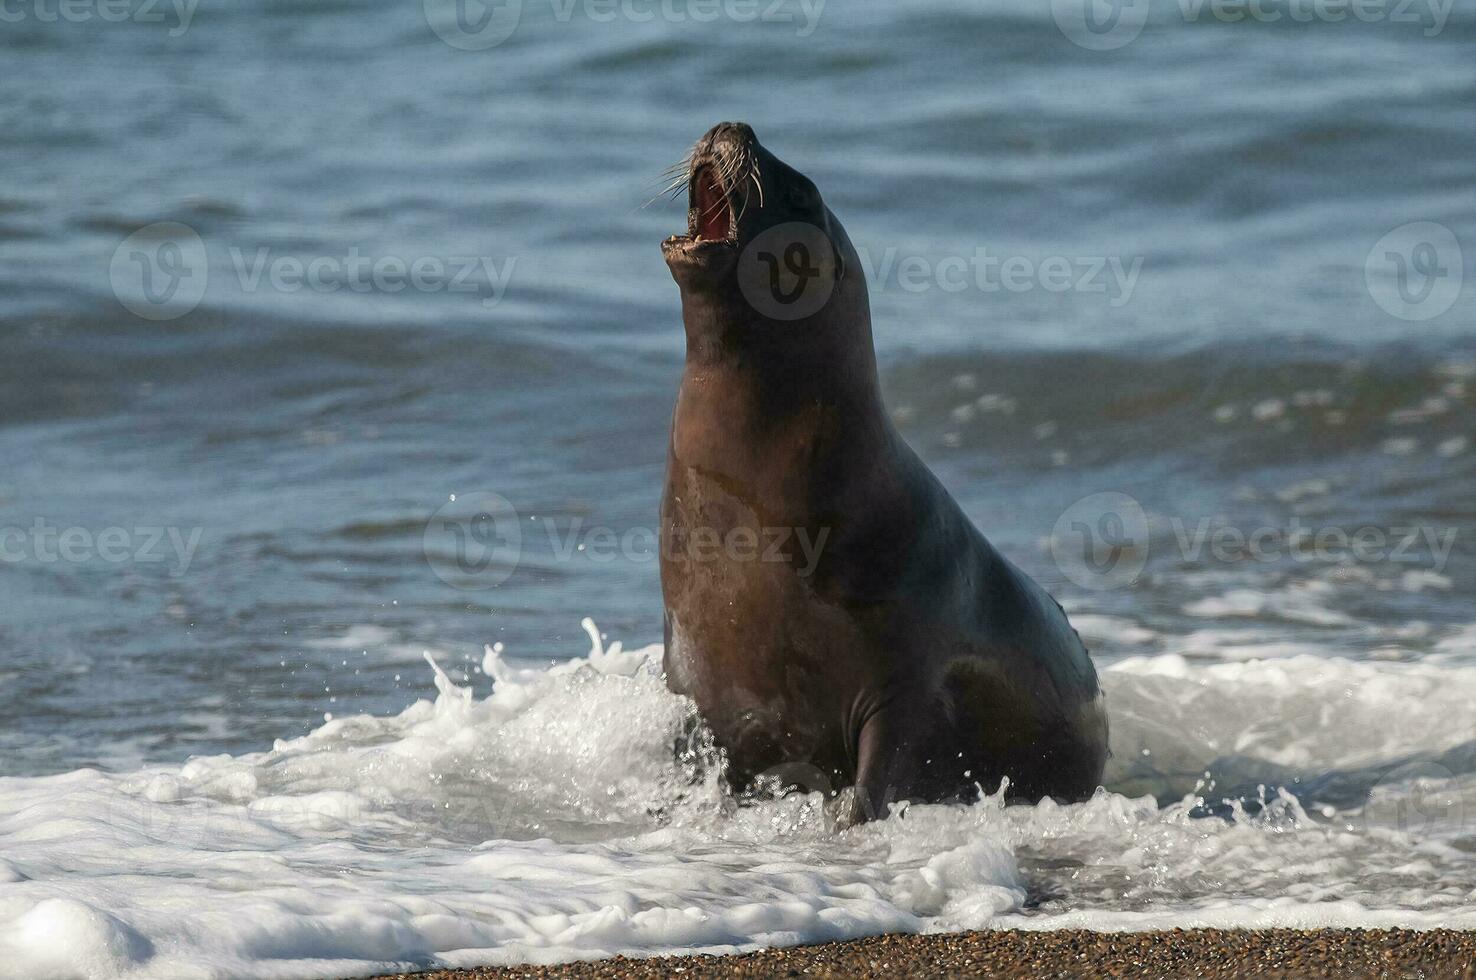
<point>754,408</point>
<point>743,385</point>
<point>783,367</point>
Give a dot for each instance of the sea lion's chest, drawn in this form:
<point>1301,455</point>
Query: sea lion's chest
<point>749,640</point>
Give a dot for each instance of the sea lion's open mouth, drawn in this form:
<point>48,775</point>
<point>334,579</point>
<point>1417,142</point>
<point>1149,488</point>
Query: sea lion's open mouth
<point>723,185</point>
<point>710,217</point>
<point>712,224</point>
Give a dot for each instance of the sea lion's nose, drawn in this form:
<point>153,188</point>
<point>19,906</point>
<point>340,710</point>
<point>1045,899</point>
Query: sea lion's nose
<point>737,133</point>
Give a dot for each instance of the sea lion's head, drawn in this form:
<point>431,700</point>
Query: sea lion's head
<point>762,250</point>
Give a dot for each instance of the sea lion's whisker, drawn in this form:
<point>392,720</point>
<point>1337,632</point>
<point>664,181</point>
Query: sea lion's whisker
<point>669,191</point>
<point>679,171</point>
<point>678,175</point>
<point>751,177</point>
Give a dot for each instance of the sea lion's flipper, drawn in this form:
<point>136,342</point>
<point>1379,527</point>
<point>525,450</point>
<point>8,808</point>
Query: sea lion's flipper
<point>877,771</point>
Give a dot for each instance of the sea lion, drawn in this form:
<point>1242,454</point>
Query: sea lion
<point>829,607</point>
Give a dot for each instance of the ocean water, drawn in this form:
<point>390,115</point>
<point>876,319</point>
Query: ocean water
<point>1182,310</point>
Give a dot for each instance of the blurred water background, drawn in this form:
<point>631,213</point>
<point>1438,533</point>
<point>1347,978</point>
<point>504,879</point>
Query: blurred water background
<point>1220,267</point>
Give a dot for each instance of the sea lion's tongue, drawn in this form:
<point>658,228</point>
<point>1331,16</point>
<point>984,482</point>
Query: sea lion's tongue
<point>712,207</point>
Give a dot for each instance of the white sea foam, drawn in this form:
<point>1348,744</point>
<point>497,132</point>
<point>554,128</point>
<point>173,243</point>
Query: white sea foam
<point>549,821</point>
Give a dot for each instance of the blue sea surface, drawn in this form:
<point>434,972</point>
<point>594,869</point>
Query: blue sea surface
<point>279,280</point>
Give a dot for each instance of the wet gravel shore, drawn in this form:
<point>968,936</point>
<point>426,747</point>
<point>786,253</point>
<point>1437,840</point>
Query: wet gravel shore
<point>1209,953</point>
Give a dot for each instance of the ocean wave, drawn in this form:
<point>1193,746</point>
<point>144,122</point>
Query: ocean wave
<point>550,821</point>
<point>1245,405</point>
